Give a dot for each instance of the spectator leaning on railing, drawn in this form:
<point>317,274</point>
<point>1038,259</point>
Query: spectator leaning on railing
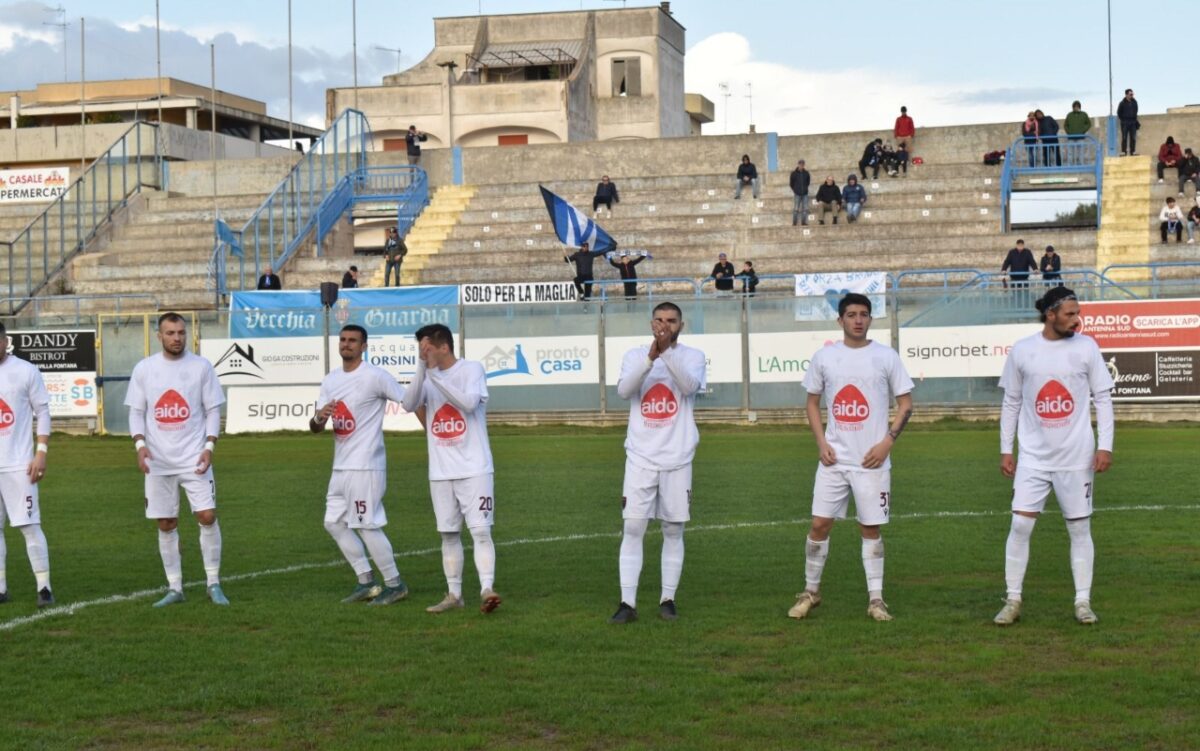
<point>1077,123</point>
<point>1169,155</point>
<point>1018,263</point>
<point>1048,135</point>
<point>1051,266</point>
<point>1029,132</point>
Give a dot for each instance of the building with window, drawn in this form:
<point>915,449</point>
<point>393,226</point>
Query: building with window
<point>537,78</point>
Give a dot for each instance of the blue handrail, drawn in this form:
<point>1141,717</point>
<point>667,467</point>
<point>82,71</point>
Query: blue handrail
<point>1050,156</point>
<point>406,186</point>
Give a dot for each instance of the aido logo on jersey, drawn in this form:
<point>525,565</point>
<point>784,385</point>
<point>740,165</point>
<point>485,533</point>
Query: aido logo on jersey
<point>171,411</point>
<point>448,424</point>
<point>1054,404</point>
<point>7,418</point>
<point>659,406</point>
<point>343,420</point>
<point>850,408</point>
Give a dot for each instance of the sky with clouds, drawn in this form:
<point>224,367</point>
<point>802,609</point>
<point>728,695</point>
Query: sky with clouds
<point>799,67</point>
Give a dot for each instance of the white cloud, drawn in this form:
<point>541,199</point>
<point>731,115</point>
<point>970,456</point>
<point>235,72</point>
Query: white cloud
<point>12,35</point>
<point>792,100</point>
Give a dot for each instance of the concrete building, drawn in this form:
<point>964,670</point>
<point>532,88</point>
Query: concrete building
<point>538,78</point>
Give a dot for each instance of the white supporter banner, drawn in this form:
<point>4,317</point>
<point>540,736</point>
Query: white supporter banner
<point>266,360</point>
<point>519,292</point>
<point>783,356</point>
<point>723,353</point>
<point>71,394</point>
<point>33,185</point>
<point>821,293</point>
<point>532,361</point>
<point>252,409</point>
<point>960,351</point>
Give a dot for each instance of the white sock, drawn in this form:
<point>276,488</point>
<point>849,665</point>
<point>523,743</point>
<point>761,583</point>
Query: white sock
<point>1016,554</point>
<point>168,548</point>
<point>39,554</point>
<point>210,551</point>
<point>672,558</point>
<point>485,556</point>
<point>381,552</point>
<point>352,549</point>
<point>631,559</point>
<point>3,554</point>
<point>815,555</point>
<point>452,562</point>
<point>1083,554</point>
<point>872,555</point>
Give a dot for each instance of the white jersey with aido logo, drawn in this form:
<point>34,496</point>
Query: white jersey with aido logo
<point>22,395</point>
<point>458,439</point>
<point>362,395</point>
<point>858,384</point>
<point>662,432</point>
<point>1055,381</point>
<point>175,394</point>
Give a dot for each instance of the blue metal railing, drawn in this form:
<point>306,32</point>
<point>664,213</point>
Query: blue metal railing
<point>404,185</point>
<point>289,214</point>
<point>1051,156</point>
<point>72,219</point>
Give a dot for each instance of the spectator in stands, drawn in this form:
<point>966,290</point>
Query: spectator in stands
<point>1169,155</point>
<point>1048,135</point>
<point>899,160</point>
<point>830,199</point>
<point>270,280</point>
<point>722,272</point>
<point>1018,263</point>
<point>412,144</point>
<point>1171,220</point>
<point>394,251</point>
<point>872,157</point>
<point>904,131</point>
<point>350,278</point>
<point>606,194</point>
<point>748,277</point>
<point>800,182</point>
<point>1189,169</point>
<point>1193,221</point>
<point>853,196</point>
<point>747,174</point>
<point>625,267</point>
<point>1077,123</point>
<point>1051,266</point>
<point>1029,132</point>
<point>1127,114</point>
<point>583,260</point>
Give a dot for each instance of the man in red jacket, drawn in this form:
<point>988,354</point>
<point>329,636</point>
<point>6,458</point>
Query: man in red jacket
<point>1169,155</point>
<point>905,132</point>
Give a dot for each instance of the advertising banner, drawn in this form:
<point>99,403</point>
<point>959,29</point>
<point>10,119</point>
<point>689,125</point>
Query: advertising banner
<point>1142,324</point>
<point>783,356</point>
<point>960,351</point>
<point>526,292</point>
<point>538,360</point>
<point>1154,375</point>
<point>67,360</point>
<point>723,351</point>
<point>822,292</point>
<point>253,409</point>
<point>397,354</point>
<point>41,185</point>
<point>390,310</point>
<point>271,360</point>
<point>71,394</point>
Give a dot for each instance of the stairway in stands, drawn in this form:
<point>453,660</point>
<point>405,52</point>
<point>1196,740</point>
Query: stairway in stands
<point>1124,237</point>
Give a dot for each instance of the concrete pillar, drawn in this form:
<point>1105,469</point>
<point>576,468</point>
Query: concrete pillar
<point>14,110</point>
<point>191,117</point>
<point>256,132</point>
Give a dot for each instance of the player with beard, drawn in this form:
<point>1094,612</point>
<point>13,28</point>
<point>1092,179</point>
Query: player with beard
<point>1048,380</point>
<point>450,397</point>
<point>355,397</point>
<point>174,401</point>
<point>858,377</point>
<point>661,380</point>
<point>22,466</point>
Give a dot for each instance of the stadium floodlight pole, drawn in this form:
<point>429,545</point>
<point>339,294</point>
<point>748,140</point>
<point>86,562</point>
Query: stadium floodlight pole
<point>1110,75</point>
<point>354,45</point>
<point>82,106</point>
<point>212,137</point>
<point>158,59</point>
<point>290,118</point>
<point>391,49</point>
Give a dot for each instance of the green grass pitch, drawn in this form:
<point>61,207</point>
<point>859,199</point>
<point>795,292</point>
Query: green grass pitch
<point>288,667</point>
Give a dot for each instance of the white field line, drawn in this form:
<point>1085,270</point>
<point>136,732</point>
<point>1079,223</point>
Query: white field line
<point>75,607</point>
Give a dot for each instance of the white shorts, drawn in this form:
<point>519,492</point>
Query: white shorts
<point>1072,488</point>
<point>162,493</point>
<point>355,496</point>
<point>470,498</point>
<point>872,491</point>
<point>20,499</point>
<point>657,494</point>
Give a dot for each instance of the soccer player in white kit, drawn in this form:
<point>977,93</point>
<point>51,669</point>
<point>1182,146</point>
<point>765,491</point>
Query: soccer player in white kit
<point>354,398</point>
<point>661,380</point>
<point>858,378</point>
<point>1048,379</point>
<point>174,401</point>
<point>22,396</point>
<point>450,397</point>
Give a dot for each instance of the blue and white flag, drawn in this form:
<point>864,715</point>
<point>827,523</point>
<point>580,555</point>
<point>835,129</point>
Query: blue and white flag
<point>574,227</point>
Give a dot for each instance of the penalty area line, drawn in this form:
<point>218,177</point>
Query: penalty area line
<point>75,607</point>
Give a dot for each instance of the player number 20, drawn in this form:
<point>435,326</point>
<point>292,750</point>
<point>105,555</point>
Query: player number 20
<point>485,503</point>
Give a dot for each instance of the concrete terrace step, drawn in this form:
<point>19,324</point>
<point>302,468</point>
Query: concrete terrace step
<point>164,202</point>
